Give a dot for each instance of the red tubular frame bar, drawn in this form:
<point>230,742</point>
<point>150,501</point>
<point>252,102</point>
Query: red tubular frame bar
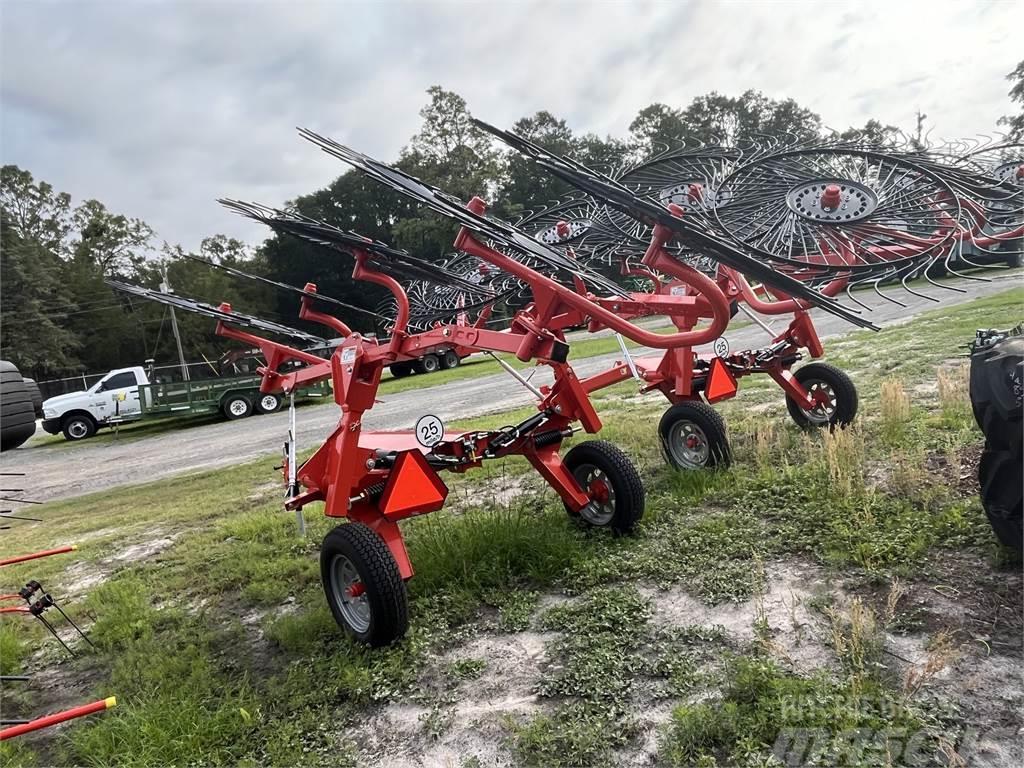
<point>60,717</point>
<point>343,471</point>
<point>37,555</point>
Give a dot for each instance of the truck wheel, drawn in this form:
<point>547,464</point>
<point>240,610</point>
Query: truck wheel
<point>364,589</point>
<point>450,360</point>
<point>427,364</point>
<point>236,406</point>
<point>268,403</point>
<point>78,426</point>
<point>401,370</point>
<point>693,437</point>
<point>841,406</point>
<point>607,475</point>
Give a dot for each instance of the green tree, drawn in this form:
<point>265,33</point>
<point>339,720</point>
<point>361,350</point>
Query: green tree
<point>114,244</point>
<point>524,185</point>
<point>1015,123</point>
<point>35,305</point>
<point>873,132</point>
<point>657,128</point>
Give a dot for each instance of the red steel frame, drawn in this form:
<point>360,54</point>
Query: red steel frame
<point>351,469</point>
<point>673,373</point>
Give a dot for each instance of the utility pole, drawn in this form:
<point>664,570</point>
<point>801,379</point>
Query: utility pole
<point>165,287</point>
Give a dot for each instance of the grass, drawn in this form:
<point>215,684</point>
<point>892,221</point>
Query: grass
<point>216,639</point>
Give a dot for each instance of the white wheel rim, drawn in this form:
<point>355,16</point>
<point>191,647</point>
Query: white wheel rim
<point>688,445</point>
<point>354,608</point>
<point>597,512</point>
<point>268,403</point>
<point>238,407</point>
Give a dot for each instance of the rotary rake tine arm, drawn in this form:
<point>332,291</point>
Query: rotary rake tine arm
<point>237,326</point>
<point>499,232</point>
<point>221,313</point>
<point>689,230</point>
<point>384,256</point>
<point>306,292</point>
<point>550,297</point>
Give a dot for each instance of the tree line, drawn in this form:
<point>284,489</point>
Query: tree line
<point>59,318</point>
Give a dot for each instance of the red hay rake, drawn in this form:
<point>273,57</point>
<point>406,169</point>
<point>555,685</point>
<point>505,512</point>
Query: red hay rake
<point>802,223</point>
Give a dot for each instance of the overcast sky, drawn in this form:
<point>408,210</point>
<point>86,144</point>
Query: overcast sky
<point>158,108</point>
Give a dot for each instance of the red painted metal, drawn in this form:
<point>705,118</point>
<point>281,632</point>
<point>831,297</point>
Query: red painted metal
<point>37,555</point>
<point>60,717</point>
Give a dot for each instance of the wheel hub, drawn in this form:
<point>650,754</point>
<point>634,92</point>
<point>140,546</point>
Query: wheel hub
<point>832,201</point>
<point>688,445</point>
<point>1012,172</point>
<point>599,491</point>
<point>693,195</point>
<point>564,231</point>
<point>601,509</point>
<point>824,398</point>
<point>349,594</point>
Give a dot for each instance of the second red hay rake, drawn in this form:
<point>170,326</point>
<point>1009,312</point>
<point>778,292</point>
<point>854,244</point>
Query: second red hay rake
<point>376,479</point>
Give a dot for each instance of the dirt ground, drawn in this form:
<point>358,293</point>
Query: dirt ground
<point>980,676</point>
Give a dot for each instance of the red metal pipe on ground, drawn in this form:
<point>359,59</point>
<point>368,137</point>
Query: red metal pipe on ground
<point>37,555</point>
<point>59,717</point>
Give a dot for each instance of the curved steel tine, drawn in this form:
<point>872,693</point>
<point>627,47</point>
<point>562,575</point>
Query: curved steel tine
<point>912,292</point>
<point>854,299</point>
<point>881,295</point>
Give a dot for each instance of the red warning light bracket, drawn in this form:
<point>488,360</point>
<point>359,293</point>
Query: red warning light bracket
<point>721,384</point>
<point>413,488</point>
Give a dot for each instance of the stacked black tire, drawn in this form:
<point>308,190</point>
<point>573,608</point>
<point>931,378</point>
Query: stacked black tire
<point>997,390</point>
<point>17,409</point>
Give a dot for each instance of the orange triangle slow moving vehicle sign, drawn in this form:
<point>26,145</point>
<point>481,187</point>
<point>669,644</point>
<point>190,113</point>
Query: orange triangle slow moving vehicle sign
<point>413,488</point>
<point>721,383</point>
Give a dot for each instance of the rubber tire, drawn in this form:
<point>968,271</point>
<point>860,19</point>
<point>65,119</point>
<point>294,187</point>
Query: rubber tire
<point>624,478</point>
<point>400,370</point>
<point>428,364</point>
<point>385,589</point>
<point>710,423</point>
<point>36,394</point>
<point>842,385</point>
<point>1001,479</point>
<point>17,414</point>
<point>259,403</point>
<point>90,427</point>
<point>995,390</point>
<point>450,360</point>
<point>225,406</point>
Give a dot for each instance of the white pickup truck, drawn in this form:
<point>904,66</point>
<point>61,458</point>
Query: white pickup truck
<point>126,394</point>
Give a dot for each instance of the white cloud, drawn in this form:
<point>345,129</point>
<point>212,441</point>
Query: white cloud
<point>158,108</point>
